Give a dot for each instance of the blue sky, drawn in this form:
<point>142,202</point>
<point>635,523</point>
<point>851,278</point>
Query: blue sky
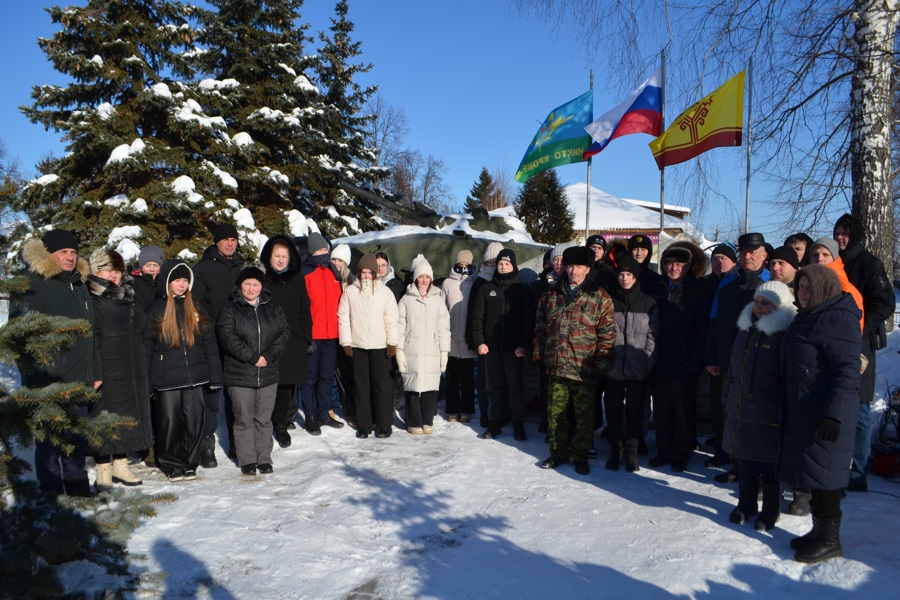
<point>476,78</point>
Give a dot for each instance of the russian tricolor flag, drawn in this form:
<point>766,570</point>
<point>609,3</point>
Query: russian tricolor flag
<point>641,112</point>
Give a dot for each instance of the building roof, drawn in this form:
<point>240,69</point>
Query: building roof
<point>609,212</point>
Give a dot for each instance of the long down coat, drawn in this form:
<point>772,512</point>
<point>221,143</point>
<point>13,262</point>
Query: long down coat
<point>424,327</point>
<point>119,328</point>
<point>753,389</point>
<point>821,379</point>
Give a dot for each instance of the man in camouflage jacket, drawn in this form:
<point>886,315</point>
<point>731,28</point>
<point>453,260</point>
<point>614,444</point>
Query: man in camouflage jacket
<point>575,331</point>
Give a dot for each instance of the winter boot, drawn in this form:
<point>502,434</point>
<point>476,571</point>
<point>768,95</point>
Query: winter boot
<point>103,477</point>
<point>771,506</point>
<point>800,504</point>
<point>632,450</point>
<point>747,505</point>
<point>519,431</point>
<point>121,473</point>
<point>615,456</point>
<point>208,452</point>
<point>80,487</point>
<point>825,543</point>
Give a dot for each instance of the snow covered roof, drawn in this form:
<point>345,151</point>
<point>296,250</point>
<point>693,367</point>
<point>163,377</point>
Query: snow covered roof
<point>455,223</point>
<point>610,212</point>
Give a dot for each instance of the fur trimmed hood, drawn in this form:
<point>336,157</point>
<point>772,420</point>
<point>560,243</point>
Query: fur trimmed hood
<point>699,260</point>
<point>770,323</point>
<point>39,260</point>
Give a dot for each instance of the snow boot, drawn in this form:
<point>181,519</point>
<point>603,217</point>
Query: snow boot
<point>122,473</point>
<point>208,452</point>
<point>632,450</point>
<point>103,477</point>
<point>771,506</point>
<point>80,487</point>
<point>519,431</point>
<point>800,504</point>
<point>825,542</point>
<point>747,505</point>
<point>615,456</point>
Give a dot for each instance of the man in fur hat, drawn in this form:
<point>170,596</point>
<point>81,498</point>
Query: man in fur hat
<point>56,275</point>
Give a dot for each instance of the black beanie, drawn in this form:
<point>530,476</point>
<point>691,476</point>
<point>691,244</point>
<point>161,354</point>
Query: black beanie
<point>507,254</point>
<point>596,240</point>
<point>578,255</point>
<point>640,241</point>
<point>225,231</point>
<point>787,254</point>
<point>628,264</point>
<point>725,250</point>
<point>58,239</point>
<point>251,273</point>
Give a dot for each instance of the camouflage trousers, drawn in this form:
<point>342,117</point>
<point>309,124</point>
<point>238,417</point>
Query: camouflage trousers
<point>581,396</point>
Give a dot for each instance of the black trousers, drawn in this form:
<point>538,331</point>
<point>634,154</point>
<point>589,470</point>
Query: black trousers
<point>180,418</point>
<point>674,408</point>
<point>287,402</point>
<point>460,386</point>
<point>373,389</point>
<point>420,408</point>
<point>624,401</point>
<point>505,386</point>
<point>346,384</point>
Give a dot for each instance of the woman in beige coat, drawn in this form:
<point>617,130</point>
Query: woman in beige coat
<point>424,346</point>
<point>367,331</point>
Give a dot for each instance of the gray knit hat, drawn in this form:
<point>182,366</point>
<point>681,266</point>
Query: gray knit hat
<point>559,249</point>
<point>491,252</point>
<point>829,244</point>
<point>150,254</point>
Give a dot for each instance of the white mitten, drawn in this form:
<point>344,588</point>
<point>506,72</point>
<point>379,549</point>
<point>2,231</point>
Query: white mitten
<point>401,360</point>
<point>444,357</point>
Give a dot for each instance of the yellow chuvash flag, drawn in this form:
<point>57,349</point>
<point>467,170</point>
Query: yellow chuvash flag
<point>717,120</point>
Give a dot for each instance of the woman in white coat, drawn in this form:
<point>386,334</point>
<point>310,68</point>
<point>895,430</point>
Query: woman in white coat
<point>457,288</point>
<point>367,330</point>
<point>424,346</point>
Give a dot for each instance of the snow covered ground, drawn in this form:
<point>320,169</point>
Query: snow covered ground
<point>453,516</point>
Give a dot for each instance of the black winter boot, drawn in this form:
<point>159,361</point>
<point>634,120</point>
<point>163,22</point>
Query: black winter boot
<point>632,450</point>
<point>748,488</point>
<point>800,504</point>
<point>208,452</point>
<point>771,506</point>
<point>80,487</point>
<point>825,542</point>
<point>519,431</point>
<point>615,456</point>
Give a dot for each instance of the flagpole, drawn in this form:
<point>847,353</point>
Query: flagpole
<point>662,172</point>
<point>749,141</point>
<point>587,195</point>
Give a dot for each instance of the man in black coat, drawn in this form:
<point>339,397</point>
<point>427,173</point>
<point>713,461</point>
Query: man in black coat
<point>56,275</point>
<point>734,293</point>
<point>214,278</point>
<point>866,272</point>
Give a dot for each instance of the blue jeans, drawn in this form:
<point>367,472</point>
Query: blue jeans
<point>316,392</point>
<point>862,445</point>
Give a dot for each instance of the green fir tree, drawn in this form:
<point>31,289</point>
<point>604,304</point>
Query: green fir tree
<point>541,204</point>
<point>482,190</point>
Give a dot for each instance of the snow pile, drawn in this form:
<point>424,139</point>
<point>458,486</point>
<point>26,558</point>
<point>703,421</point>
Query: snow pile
<point>125,151</point>
<point>44,179</point>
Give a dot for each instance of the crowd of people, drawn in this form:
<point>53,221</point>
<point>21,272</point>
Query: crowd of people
<point>785,338</point>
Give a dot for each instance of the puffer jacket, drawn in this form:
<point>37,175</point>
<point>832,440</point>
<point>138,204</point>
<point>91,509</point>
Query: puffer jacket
<point>424,327</point>
<point>575,340</point>
<point>173,368</point>
<point>821,379</point>
<point>457,290</point>
<point>753,388</point>
<point>323,284</point>
<point>502,314</point>
<point>245,333</point>
<point>367,319</point>
<point>637,328</point>
<point>734,292</point>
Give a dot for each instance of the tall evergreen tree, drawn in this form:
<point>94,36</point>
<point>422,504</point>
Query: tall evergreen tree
<point>481,191</point>
<point>346,122</point>
<point>133,129</point>
<point>542,206</point>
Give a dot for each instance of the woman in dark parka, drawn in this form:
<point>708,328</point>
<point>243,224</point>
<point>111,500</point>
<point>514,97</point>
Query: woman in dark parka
<point>283,264</point>
<point>821,366</point>
<point>119,328</point>
<point>753,401</point>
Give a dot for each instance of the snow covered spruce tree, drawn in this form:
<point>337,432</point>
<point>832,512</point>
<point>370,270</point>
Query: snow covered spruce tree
<point>346,122</point>
<point>57,547</point>
<point>136,164</point>
<point>296,144</point>
<point>542,206</point>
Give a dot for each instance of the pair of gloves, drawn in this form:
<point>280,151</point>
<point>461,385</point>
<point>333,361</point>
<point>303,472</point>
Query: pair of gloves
<point>390,351</point>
